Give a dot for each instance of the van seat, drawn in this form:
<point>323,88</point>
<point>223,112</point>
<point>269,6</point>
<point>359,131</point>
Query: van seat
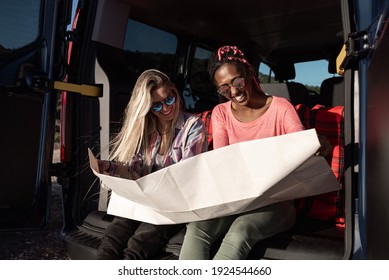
<point>285,72</point>
<point>304,113</point>
<point>296,93</point>
<point>276,89</point>
<point>206,118</point>
<point>332,92</point>
<point>328,122</point>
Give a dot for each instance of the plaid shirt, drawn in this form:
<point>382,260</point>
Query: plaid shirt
<point>190,139</point>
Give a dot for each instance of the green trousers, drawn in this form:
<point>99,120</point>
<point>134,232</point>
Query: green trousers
<point>241,232</point>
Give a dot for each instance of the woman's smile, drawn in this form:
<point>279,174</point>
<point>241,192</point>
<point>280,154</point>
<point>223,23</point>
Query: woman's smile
<point>241,96</point>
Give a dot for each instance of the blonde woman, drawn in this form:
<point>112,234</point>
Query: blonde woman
<point>155,133</point>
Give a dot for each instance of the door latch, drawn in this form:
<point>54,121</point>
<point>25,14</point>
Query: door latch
<point>356,48</point>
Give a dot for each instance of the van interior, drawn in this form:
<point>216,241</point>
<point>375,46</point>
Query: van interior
<point>120,39</point>
<point>112,42</point>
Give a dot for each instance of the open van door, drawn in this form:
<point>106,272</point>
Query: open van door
<point>371,52</point>
<point>32,57</point>
<point>376,132</point>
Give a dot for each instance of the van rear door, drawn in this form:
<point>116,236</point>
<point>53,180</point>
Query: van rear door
<point>377,143</point>
<point>32,57</point>
<point>373,25</point>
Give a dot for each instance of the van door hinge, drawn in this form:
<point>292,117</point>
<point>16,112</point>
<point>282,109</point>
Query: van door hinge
<point>40,83</point>
<point>356,48</point>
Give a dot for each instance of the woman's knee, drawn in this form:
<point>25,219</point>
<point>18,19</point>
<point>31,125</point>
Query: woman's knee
<point>197,230</point>
<point>242,233</point>
<point>263,223</point>
<point>207,231</point>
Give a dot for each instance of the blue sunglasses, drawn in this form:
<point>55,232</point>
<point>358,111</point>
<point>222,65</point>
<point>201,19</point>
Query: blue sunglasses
<point>157,106</point>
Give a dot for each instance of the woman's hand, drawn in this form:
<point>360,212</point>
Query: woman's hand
<point>121,170</point>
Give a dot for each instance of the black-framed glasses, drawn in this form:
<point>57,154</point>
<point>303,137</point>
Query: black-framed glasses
<point>169,101</point>
<point>239,83</point>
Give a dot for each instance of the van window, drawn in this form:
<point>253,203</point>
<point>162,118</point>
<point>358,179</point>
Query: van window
<point>305,86</point>
<point>149,47</point>
<point>311,74</point>
<point>19,23</point>
<point>265,74</point>
<point>200,95</point>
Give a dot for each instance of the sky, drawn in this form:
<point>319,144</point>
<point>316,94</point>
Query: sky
<point>312,73</point>
<point>74,7</point>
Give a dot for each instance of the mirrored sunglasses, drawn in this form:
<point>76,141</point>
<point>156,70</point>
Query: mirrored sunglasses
<point>169,101</point>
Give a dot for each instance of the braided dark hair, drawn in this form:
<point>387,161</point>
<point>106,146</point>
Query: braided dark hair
<point>233,55</point>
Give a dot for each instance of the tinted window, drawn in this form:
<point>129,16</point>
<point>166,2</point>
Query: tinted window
<point>265,74</point>
<point>200,95</point>
<point>19,23</point>
<point>149,47</point>
<point>310,73</point>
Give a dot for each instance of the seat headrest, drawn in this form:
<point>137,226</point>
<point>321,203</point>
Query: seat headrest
<point>284,71</point>
<point>332,66</point>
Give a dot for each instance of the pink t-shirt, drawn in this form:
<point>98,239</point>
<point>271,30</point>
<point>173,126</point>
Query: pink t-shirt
<point>280,118</point>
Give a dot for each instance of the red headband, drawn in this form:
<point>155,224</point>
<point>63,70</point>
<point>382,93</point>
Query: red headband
<point>238,54</point>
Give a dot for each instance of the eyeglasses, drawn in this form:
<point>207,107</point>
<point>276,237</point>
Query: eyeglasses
<point>169,101</point>
<point>238,83</point>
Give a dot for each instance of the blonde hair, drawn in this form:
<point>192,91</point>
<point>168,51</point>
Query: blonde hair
<point>139,122</point>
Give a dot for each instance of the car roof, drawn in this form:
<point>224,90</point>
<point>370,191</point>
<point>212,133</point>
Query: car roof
<point>276,30</point>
